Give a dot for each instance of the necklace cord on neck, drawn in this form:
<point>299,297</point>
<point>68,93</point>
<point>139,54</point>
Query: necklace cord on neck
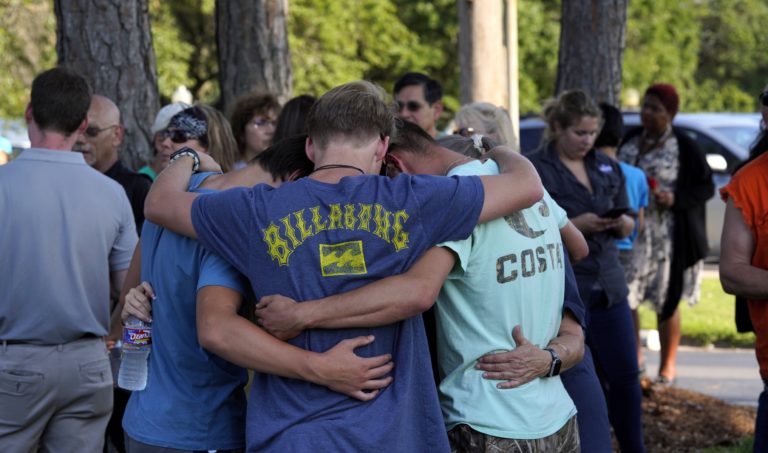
<point>332,166</point>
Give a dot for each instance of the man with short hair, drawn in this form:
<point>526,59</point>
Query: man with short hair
<point>508,277</point>
<point>100,144</point>
<point>419,100</point>
<point>337,230</point>
<point>67,230</point>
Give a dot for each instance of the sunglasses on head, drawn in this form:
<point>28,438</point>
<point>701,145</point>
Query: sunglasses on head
<point>93,131</point>
<point>412,106</point>
<point>764,98</point>
<point>178,135</point>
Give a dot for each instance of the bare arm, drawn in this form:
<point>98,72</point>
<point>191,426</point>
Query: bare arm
<point>527,361</point>
<point>517,187</point>
<point>222,331</point>
<point>640,219</point>
<point>737,274</point>
<point>383,302</point>
<point>168,203</point>
<point>574,241</point>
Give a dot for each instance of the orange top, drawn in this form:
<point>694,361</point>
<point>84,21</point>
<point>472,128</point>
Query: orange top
<point>749,192</point>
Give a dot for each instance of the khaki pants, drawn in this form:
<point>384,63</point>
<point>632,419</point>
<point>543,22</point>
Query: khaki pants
<point>54,398</point>
<point>464,439</point>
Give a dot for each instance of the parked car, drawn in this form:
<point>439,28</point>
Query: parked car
<point>724,137</point>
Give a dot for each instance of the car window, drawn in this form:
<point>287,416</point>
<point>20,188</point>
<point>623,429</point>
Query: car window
<point>709,146</point>
<point>741,135</point>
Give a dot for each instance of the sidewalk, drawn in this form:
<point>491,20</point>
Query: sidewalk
<point>728,374</point>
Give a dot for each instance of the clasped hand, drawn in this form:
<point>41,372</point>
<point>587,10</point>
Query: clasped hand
<point>278,315</point>
<point>516,367</point>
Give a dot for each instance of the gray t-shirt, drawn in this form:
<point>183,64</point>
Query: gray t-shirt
<point>63,228</point>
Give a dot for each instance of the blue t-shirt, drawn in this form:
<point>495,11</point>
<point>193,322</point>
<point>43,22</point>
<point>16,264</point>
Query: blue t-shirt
<point>637,192</point>
<point>194,400</point>
<point>310,239</point>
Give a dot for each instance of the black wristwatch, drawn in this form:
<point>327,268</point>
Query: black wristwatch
<point>187,151</point>
<point>554,367</point>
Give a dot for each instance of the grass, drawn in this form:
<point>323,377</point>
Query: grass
<point>743,446</point>
<point>711,321</point>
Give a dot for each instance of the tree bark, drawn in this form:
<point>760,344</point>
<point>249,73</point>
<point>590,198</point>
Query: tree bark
<point>109,43</point>
<point>592,37</point>
<point>252,39</point>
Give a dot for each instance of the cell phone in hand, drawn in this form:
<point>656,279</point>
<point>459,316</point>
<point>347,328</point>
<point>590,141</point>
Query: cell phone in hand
<point>615,213</point>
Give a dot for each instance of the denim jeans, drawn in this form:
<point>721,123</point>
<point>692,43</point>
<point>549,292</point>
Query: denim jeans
<point>761,423</point>
<point>584,388</point>
<point>610,335</point>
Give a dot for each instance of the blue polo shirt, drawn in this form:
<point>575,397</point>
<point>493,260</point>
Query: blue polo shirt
<point>601,267</point>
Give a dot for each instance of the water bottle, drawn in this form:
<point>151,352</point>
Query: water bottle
<point>137,342</point>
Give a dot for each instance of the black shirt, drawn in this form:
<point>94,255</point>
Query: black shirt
<point>136,187</point>
<point>601,268</point>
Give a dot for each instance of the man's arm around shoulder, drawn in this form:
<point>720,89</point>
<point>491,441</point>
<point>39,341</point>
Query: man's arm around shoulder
<point>168,203</point>
<point>517,187</point>
<point>225,333</point>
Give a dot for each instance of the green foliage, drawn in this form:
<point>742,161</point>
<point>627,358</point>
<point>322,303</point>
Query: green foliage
<point>27,46</point>
<point>538,37</point>
<point>436,24</point>
<point>662,44</point>
<point>711,321</point>
<point>742,446</point>
<point>732,51</point>
<point>183,35</point>
<point>710,49</point>
<point>171,52</point>
<point>337,41</point>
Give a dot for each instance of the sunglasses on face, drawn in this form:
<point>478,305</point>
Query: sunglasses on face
<point>412,106</point>
<point>764,98</point>
<point>93,131</point>
<point>177,135</point>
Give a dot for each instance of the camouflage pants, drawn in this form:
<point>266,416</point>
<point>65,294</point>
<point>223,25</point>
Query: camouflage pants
<point>464,439</point>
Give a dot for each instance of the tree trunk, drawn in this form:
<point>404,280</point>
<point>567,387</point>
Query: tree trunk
<point>592,38</point>
<point>252,39</point>
<point>109,42</point>
<point>482,53</point>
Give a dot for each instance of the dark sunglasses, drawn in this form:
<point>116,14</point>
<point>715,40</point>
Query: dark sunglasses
<point>412,106</point>
<point>764,98</point>
<point>177,135</point>
<point>93,131</point>
<point>465,131</point>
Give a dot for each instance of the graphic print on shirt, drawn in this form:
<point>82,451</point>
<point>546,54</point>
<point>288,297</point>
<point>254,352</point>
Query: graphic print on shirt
<point>286,234</point>
<point>346,258</point>
<point>518,223</point>
<point>529,261</point>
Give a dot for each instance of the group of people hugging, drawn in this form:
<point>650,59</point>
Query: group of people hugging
<point>339,246</point>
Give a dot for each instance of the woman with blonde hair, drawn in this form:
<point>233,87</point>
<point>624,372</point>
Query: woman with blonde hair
<point>486,119</point>
<point>590,186</point>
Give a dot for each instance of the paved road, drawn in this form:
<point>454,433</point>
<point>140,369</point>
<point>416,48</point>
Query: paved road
<point>729,374</point>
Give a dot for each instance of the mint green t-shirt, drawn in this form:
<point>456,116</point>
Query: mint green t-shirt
<point>509,272</point>
<point>147,170</point>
